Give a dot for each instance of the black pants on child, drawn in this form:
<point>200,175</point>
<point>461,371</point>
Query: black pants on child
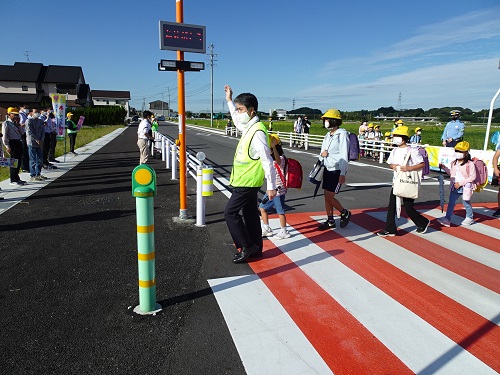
<point>390,223</point>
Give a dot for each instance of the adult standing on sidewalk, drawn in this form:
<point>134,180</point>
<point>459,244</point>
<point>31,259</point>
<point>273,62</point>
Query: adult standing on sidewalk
<point>51,121</point>
<point>453,131</point>
<point>72,132</point>
<point>335,157</point>
<point>252,163</point>
<point>23,117</point>
<point>12,139</point>
<point>144,136</point>
<point>35,134</point>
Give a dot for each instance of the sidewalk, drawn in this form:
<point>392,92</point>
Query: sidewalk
<point>68,274</point>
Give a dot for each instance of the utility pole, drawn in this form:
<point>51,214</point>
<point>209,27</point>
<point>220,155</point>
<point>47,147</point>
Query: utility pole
<point>168,88</point>
<point>399,102</point>
<point>143,104</point>
<point>162,113</point>
<point>212,55</point>
<point>293,104</point>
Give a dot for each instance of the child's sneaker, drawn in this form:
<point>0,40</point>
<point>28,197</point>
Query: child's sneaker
<point>267,232</point>
<point>468,221</point>
<point>282,234</point>
<point>327,225</point>
<point>444,222</point>
<point>345,216</point>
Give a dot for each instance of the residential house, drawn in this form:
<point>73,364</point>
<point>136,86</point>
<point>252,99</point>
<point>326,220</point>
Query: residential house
<point>113,98</point>
<point>31,84</point>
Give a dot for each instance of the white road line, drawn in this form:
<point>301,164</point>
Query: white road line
<point>476,227</point>
<point>267,339</point>
<point>14,194</point>
<point>452,243</point>
<point>419,345</point>
<point>469,294</point>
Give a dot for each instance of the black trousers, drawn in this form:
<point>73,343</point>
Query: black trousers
<point>244,228</point>
<point>16,152</point>
<point>46,148</point>
<point>53,144</point>
<point>390,223</point>
<point>72,141</point>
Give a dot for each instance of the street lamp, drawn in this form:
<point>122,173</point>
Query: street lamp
<point>490,116</point>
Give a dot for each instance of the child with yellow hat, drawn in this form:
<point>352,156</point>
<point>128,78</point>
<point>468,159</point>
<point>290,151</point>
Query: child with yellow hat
<point>462,175</point>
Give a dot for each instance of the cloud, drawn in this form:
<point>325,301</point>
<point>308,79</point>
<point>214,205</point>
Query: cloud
<point>469,84</point>
<point>458,38</point>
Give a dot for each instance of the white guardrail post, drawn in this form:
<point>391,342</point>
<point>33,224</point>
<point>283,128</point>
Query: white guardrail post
<point>174,161</point>
<point>163,148</point>
<point>167,153</point>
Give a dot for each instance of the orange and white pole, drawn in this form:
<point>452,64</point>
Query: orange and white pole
<point>182,124</point>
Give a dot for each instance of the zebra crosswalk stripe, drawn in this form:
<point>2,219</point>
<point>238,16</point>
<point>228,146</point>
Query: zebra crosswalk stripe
<point>383,304</point>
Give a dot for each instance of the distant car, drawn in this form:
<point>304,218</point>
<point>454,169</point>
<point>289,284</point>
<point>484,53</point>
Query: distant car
<point>161,118</point>
<point>135,118</point>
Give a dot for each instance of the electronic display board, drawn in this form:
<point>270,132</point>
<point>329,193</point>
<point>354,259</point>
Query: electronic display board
<point>182,37</point>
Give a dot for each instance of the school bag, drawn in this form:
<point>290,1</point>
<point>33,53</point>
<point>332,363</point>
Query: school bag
<point>293,174</point>
<point>494,138</point>
<point>353,147</point>
<point>481,174</point>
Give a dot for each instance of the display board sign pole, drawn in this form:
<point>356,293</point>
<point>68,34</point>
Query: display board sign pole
<point>182,124</point>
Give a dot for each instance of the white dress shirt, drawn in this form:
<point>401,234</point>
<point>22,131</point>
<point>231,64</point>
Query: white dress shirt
<point>258,147</point>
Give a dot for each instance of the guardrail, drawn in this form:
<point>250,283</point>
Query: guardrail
<point>202,173</point>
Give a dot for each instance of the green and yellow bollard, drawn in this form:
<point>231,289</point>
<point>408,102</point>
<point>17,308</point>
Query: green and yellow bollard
<point>144,189</point>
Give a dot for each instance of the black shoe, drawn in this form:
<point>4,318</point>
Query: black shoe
<point>54,160</point>
<point>345,216</point>
<point>384,233</point>
<point>496,213</point>
<point>257,255</point>
<point>245,253</point>
<point>423,229</point>
<point>327,225</point>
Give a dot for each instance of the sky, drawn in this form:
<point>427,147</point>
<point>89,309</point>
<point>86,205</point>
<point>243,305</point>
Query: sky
<point>349,55</point>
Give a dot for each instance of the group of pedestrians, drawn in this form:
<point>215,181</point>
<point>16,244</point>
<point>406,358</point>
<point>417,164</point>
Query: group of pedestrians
<point>29,135</point>
<point>260,157</point>
<point>301,128</point>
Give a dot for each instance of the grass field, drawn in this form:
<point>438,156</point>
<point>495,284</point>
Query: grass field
<point>85,135</point>
<point>431,133</point>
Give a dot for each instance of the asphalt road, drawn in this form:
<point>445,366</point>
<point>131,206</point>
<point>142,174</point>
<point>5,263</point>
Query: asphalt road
<point>68,277</point>
<point>68,266</point>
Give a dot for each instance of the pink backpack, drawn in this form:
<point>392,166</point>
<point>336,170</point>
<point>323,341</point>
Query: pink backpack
<point>481,174</point>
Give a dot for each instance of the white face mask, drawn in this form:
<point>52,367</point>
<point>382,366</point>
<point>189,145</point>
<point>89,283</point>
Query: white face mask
<point>418,133</point>
<point>459,155</point>
<point>397,141</point>
<point>242,118</point>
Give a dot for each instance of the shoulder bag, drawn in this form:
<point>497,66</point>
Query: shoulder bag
<point>407,184</point>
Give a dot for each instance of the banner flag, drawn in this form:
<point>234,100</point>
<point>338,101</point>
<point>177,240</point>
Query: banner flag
<point>80,122</point>
<point>59,106</point>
